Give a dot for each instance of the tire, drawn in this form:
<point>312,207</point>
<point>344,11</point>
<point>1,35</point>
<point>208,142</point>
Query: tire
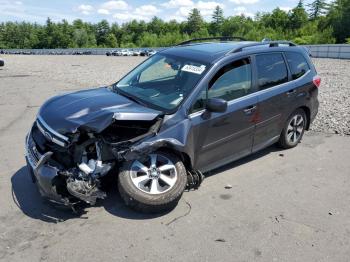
<point>293,130</point>
<point>152,194</point>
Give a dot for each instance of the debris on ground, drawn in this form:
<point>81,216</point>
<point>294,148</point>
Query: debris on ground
<point>220,240</point>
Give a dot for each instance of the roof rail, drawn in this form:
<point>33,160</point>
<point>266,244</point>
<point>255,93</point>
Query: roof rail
<point>221,38</point>
<point>270,43</point>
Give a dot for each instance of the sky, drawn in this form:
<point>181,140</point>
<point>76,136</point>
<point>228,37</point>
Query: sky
<point>121,11</point>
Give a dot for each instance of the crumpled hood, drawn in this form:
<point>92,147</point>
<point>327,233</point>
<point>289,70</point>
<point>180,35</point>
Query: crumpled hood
<point>93,109</point>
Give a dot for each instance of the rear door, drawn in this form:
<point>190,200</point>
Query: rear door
<point>223,137</point>
<point>276,96</point>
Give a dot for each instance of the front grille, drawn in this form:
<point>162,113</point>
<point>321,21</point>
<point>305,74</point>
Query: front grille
<point>51,134</point>
<point>32,152</point>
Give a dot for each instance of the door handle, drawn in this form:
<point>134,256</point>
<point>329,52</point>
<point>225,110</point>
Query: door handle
<point>249,109</point>
<point>291,92</point>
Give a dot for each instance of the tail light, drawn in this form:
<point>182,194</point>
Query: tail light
<point>317,80</point>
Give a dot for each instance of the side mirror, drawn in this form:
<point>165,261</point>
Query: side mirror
<point>216,105</point>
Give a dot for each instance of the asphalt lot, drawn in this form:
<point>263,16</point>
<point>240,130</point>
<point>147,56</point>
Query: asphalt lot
<point>290,205</point>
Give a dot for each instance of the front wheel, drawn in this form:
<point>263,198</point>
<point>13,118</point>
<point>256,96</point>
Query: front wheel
<point>153,183</point>
<point>294,129</point>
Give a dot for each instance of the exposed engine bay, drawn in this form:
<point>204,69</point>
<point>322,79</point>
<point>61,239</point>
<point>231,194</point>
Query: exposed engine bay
<point>78,167</point>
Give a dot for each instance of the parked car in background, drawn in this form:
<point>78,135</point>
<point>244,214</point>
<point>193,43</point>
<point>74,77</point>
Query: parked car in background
<point>126,52</point>
<point>136,52</point>
<point>151,52</point>
<point>184,111</point>
<point>144,52</point>
<point>2,62</point>
<point>116,53</point>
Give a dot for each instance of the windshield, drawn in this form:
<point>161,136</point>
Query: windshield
<point>162,81</point>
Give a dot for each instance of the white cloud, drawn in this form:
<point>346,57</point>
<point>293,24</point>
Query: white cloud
<point>18,2</point>
<point>85,9</point>
<point>241,10</point>
<point>146,10</point>
<point>129,16</point>
<point>115,5</point>
<point>103,11</point>
<point>206,8</point>
<point>177,3</point>
<point>244,2</point>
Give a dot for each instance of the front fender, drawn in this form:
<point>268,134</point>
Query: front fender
<point>178,137</point>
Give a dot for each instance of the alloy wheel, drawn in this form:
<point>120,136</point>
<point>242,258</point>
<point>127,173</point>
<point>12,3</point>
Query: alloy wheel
<point>295,129</point>
<point>156,174</point>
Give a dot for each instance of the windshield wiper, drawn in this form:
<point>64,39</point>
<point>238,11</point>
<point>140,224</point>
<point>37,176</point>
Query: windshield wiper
<point>130,97</point>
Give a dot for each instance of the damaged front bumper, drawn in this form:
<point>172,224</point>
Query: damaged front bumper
<point>41,173</point>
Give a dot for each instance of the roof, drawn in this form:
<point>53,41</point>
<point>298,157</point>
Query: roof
<point>207,51</point>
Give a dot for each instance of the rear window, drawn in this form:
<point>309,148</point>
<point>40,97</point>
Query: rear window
<point>297,64</point>
<point>271,69</point>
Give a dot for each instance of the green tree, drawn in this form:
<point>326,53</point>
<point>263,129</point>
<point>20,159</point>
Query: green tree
<point>217,21</point>
<point>102,32</point>
<point>194,21</point>
<point>298,16</point>
<point>111,41</point>
<point>339,19</point>
<point>80,38</point>
<point>317,8</point>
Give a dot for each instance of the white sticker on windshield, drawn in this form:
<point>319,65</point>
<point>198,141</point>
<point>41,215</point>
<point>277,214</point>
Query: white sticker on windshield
<point>194,69</point>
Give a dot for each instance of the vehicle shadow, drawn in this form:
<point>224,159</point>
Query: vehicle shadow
<point>114,205</point>
<point>28,199</point>
<point>244,160</point>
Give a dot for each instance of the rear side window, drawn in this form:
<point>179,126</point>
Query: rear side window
<point>297,64</point>
<point>271,70</point>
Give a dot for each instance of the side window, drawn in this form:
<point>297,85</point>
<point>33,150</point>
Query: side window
<point>297,64</point>
<point>271,69</point>
<point>230,82</point>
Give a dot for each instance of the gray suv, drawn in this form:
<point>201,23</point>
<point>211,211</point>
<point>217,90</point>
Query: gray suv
<point>186,110</point>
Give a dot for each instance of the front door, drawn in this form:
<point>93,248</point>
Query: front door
<point>223,137</point>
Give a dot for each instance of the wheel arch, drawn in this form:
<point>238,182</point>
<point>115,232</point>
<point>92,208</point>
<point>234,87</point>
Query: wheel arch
<point>184,157</point>
<point>308,116</point>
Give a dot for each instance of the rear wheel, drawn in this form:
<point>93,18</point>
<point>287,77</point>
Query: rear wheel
<point>294,129</point>
<point>153,183</point>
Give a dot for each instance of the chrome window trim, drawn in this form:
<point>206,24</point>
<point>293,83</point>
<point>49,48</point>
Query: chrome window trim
<point>192,115</point>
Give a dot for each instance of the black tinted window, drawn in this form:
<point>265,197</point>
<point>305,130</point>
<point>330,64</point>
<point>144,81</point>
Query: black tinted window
<point>271,70</point>
<point>297,64</point>
<point>232,81</point>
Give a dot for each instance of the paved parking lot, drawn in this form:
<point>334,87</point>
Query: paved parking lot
<point>290,205</point>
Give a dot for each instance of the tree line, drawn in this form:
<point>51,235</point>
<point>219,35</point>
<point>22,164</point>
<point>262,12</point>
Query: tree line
<point>314,23</point>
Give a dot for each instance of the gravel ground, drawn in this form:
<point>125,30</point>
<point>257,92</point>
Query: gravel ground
<point>334,96</point>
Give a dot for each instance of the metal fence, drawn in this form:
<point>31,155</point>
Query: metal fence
<point>340,51</point>
<point>68,51</point>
